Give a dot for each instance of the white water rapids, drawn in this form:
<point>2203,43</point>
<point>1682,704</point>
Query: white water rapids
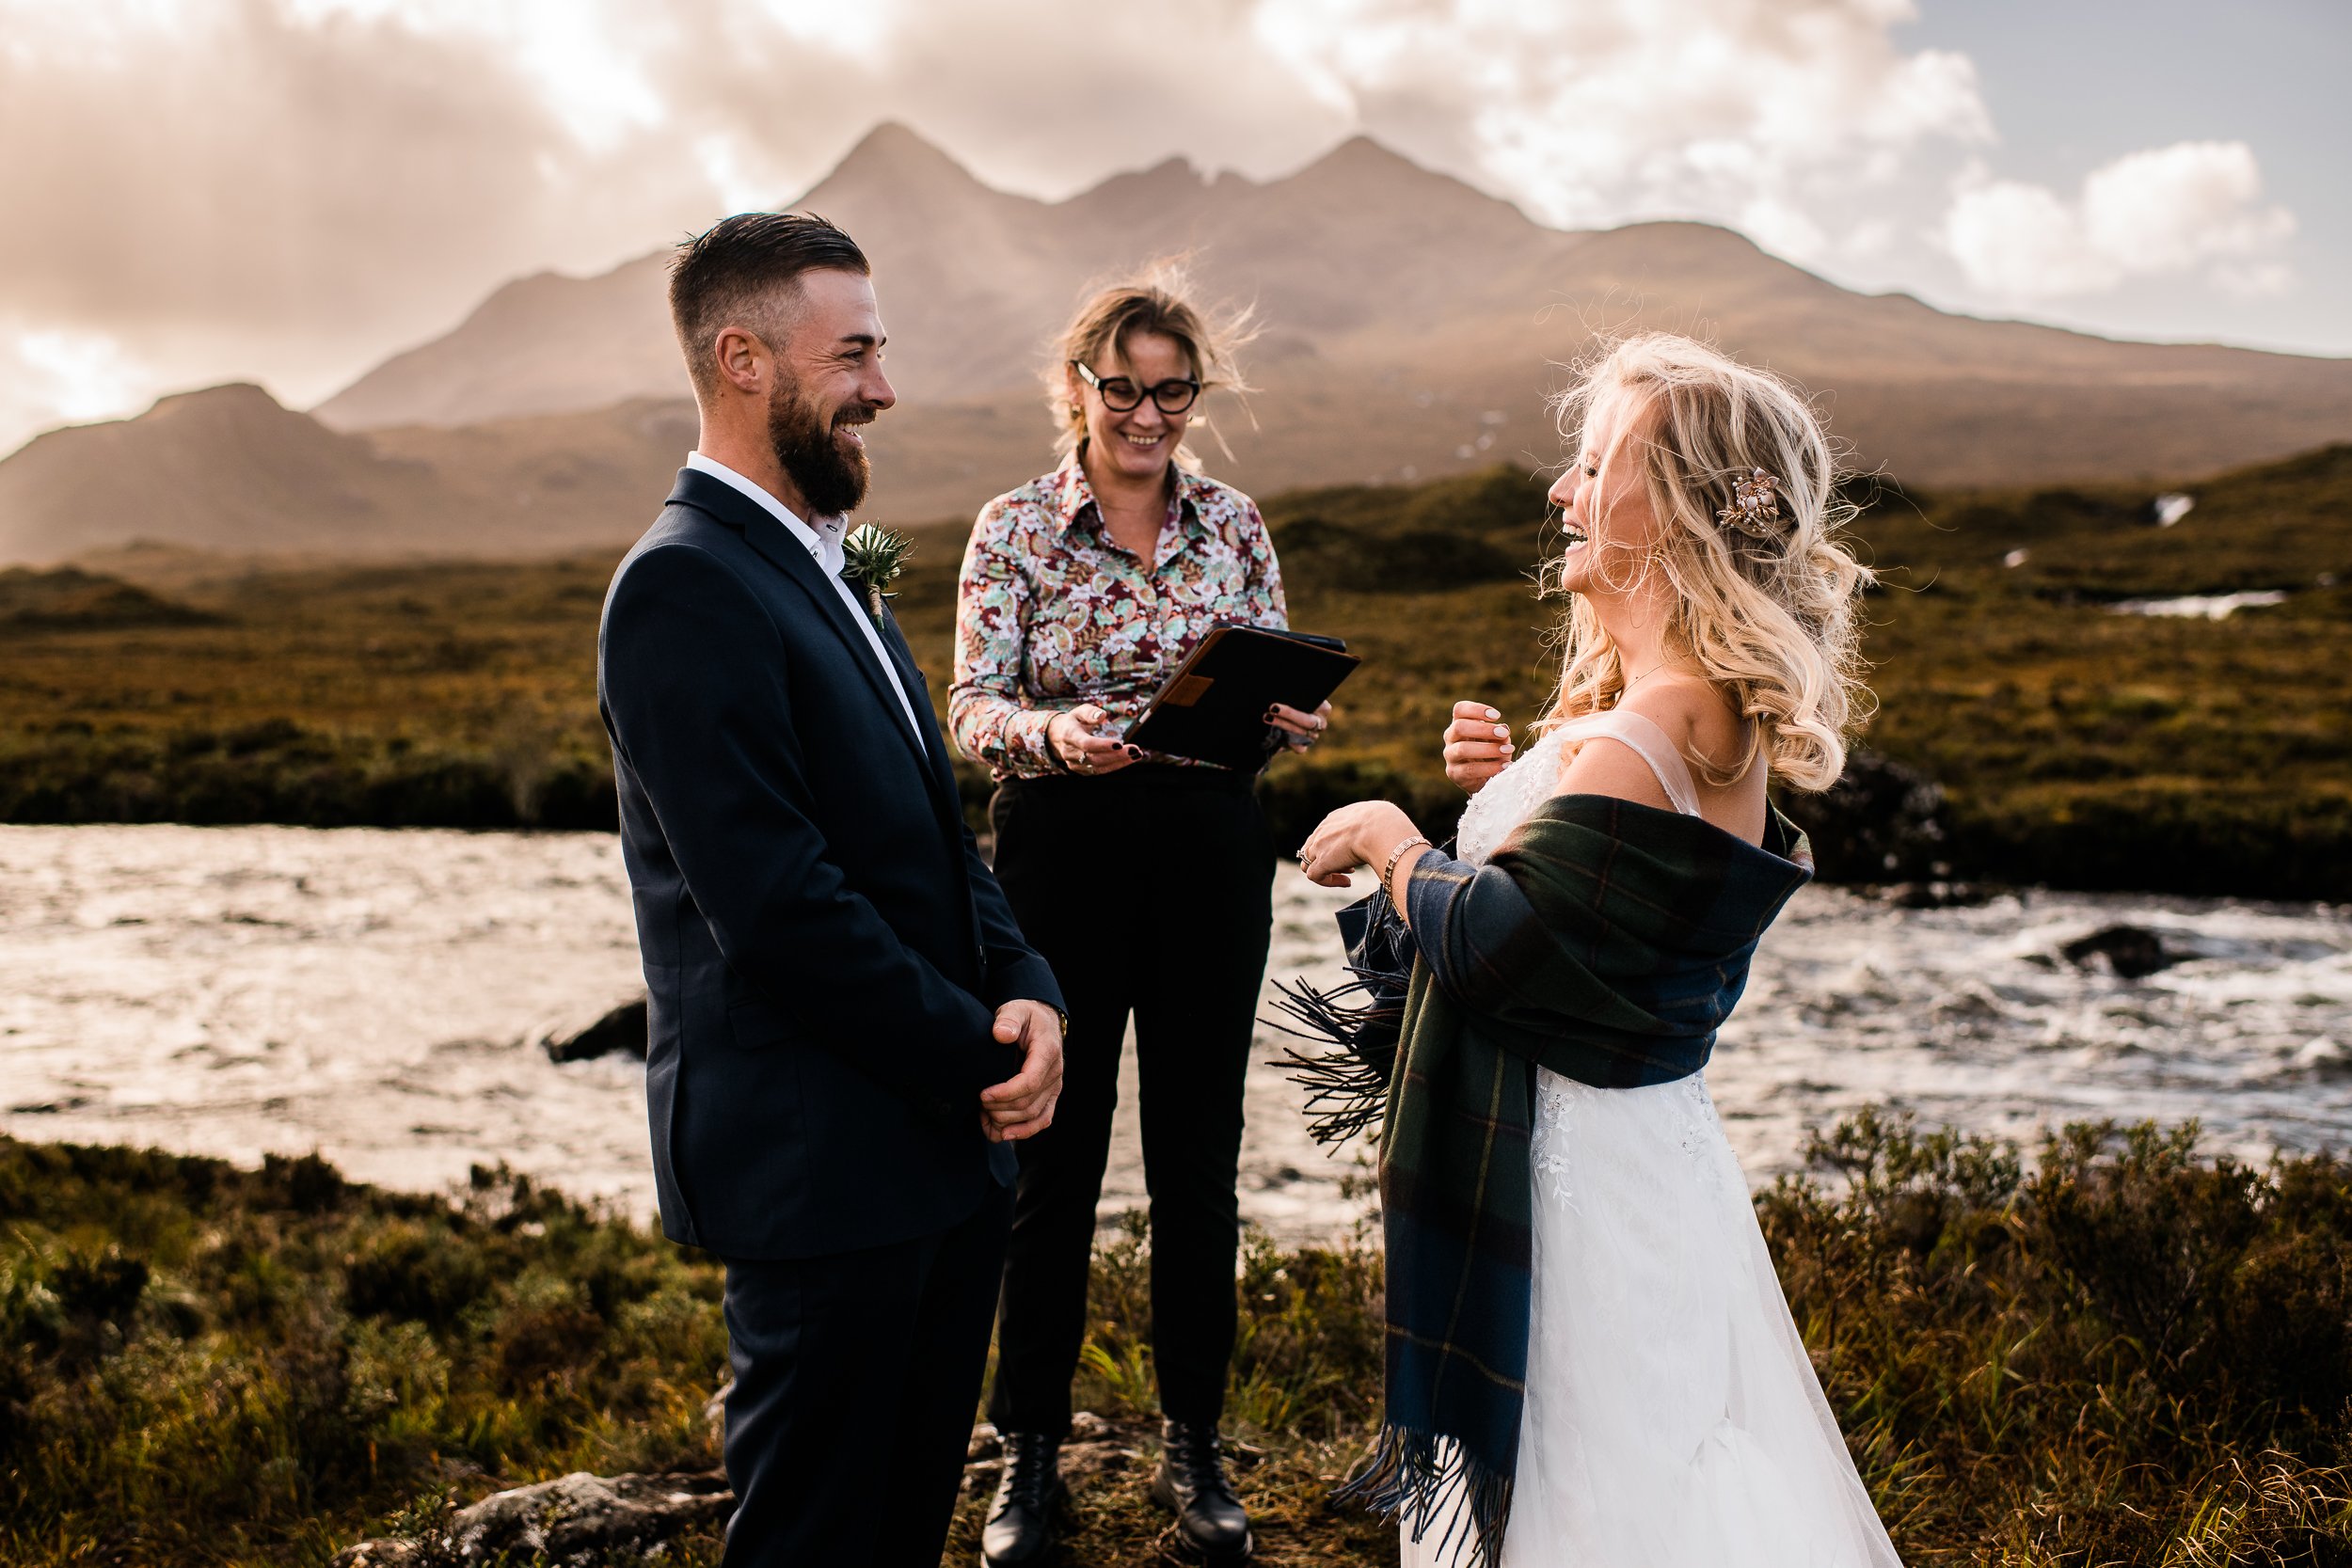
<point>375,995</point>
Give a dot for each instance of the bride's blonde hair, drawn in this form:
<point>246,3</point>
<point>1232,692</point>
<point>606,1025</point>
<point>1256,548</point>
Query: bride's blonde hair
<point>1771,617</point>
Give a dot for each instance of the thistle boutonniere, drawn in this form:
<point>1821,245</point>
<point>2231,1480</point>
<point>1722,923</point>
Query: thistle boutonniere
<point>872,558</point>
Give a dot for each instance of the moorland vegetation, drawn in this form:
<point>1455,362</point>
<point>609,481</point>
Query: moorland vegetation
<point>2027,731</point>
<point>2117,1353</point>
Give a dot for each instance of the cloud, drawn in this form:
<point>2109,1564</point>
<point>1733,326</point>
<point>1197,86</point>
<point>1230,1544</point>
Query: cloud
<point>1043,97</point>
<point>2190,207</point>
<point>290,190</point>
<point>47,375</point>
<point>1776,115</point>
<point>239,189</point>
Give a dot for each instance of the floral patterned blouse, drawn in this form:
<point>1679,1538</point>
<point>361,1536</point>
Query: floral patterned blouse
<point>1050,613</point>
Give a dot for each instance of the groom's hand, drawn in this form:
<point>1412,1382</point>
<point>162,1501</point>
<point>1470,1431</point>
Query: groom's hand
<point>1022,1105</point>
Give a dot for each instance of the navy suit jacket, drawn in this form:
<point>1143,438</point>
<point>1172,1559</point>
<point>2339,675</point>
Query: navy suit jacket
<point>824,948</point>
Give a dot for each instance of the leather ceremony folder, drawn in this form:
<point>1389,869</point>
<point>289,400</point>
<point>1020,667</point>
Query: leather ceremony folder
<point>1212,709</point>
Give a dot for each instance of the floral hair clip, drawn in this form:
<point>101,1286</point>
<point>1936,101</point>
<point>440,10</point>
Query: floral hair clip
<point>1754,508</point>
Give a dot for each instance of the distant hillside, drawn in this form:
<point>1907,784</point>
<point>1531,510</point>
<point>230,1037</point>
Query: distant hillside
<point>224,469</point>
<point>70,598</point>
<point>229,471</point>
<point>1412,330</point>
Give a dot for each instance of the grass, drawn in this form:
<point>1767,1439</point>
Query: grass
<point>2082,747</point>
<point>2114,1354</point>
<point>200,1364</point>
<point>458,695</point>
<point>2065,744</point>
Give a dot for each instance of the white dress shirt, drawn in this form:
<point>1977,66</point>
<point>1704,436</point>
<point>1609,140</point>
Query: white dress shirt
<point>823,543</point>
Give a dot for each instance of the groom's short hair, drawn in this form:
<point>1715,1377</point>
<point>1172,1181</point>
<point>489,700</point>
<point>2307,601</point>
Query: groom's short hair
<point>745,271</point>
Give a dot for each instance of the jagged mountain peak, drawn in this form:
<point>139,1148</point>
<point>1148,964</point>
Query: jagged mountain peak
<point>892,156</point>
<point>239,396</point>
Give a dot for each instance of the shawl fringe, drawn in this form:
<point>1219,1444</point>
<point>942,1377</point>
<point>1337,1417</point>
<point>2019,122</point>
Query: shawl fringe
<point>1347,1087</point>
<point>1420,1479</point>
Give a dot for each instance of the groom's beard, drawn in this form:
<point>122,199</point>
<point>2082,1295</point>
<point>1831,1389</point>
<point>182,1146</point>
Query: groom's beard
<point>831,479</point>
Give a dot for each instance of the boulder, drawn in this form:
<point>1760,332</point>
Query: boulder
<point>2130,951</point>
<point>579,1520</point>
<point>383,1554</point>
<point>623,1029</point>
<point>1881,822</point>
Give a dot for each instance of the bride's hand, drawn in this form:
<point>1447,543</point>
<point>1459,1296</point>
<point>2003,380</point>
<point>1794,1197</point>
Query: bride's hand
<point>1359,835</point>
<point>1477,746</point>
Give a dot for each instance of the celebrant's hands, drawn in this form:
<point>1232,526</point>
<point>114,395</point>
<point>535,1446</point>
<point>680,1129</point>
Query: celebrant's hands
<point>1300,730</point>
<point>1022,1105</point>
<point>1079,739</point>
<point>1365,833</point>
<point>1477,746</point>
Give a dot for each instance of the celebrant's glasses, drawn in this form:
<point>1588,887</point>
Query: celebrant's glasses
<point>1120,394</point>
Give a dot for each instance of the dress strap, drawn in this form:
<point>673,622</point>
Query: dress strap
<point>1650,743</point>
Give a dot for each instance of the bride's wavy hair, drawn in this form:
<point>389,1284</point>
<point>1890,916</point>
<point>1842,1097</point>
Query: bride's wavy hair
<point>1770,613</point>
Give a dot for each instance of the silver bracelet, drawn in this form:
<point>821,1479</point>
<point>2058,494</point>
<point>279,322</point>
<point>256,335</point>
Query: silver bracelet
<point>1388,872</point>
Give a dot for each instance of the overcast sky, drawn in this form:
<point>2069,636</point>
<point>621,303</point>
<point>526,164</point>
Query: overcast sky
<point>195,191</point>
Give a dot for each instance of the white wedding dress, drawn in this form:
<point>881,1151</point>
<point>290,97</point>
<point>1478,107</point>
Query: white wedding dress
<point>1673,1419</point>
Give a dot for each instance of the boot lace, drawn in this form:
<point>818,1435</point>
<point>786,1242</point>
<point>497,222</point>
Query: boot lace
<point>1028,1471</point>
<point>1196,1454</point>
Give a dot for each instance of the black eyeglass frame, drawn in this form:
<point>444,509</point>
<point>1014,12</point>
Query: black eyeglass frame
<point>1191,389</point>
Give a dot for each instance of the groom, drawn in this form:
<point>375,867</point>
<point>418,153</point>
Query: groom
<point>848,1031</point>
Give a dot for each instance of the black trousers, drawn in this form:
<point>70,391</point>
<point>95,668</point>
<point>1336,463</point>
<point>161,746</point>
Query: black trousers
<point>856,1378</point>
<point>1150,890</point>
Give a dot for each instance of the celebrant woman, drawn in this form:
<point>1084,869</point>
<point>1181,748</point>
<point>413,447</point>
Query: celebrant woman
<point>1145,881</point>
<point>1589,1356</point>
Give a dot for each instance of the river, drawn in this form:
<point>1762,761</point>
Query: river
<point>375,995</point>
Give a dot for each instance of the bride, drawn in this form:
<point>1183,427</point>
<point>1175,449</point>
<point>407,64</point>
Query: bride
<point>1589,1357</point>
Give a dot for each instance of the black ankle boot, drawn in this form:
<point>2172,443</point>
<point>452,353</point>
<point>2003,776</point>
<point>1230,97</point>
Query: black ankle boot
<point>1020,1521</point>
<point>1191,1484</point>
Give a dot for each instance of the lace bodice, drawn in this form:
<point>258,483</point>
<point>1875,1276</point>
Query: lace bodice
<point>1507,800</point>
<point>1513,795</point>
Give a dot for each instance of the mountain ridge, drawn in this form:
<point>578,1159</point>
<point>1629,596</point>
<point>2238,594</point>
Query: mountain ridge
<point>1411,327</point>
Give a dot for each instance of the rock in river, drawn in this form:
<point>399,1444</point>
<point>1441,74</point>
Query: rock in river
<point>623,1029</point>
<point>2132,951</point>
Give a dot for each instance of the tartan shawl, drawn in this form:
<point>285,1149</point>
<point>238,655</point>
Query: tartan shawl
<point>1608,942</point>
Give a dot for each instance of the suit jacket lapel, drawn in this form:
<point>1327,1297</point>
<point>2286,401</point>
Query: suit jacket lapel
<point>771,539</point>
<point>942,773</point>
